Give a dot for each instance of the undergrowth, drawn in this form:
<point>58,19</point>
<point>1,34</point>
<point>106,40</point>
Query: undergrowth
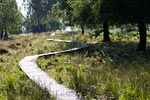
<point>106,71</point>
<point>14,84</point>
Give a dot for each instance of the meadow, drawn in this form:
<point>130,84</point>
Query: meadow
<point>106,71</point>
<point>14,84</point>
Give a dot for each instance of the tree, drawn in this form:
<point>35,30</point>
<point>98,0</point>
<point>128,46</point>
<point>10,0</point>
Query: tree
<point>91,13</point>
<point>81,13</point>
<point>102,13</point>
<point>1,16</point>
<point>62,11</point>
<point>10,17</point>
<point>132,12</point>
<point>39,13</point>
<point>72,13</point>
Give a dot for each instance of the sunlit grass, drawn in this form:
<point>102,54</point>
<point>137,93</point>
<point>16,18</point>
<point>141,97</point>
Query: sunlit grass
<point>112,70</point>
<point>14,84</point>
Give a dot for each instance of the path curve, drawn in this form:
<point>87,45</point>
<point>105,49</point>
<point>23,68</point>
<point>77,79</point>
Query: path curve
<point>59,91</point>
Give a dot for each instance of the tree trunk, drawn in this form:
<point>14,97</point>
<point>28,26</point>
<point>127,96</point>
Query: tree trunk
<point>39,25</point>
<point>143,36</point>
<point>6,36</point>
<point>2,34</point>
<point>82,28</point>
<point>44,28</point>
<point>106,32</point>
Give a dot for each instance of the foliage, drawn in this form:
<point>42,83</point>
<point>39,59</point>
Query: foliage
<point>81,11</point>
<point>132,12</point>
<point>10,17</point>
<point>93,13</point>
<point>62,11</point>
<point>39,15</point>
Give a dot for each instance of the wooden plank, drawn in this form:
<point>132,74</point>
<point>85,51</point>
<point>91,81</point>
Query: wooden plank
<point>59,91</point>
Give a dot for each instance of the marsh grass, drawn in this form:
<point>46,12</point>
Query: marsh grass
<point>110,70</point>
<point>14,84</point>
<point>107,71</point>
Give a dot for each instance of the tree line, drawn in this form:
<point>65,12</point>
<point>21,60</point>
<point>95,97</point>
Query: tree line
<point>39,18</point>
<point>45,15</point>
<point>92,14</point>
<point>105,13</point>
<point>10,18</point>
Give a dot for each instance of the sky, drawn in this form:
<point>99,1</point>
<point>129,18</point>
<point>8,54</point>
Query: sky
<point>21,7</point>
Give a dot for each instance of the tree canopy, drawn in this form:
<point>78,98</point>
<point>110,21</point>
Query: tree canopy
<point>39,14</point>
<point>10,17</point>
<point>95,13</point>
<point>132,12</point>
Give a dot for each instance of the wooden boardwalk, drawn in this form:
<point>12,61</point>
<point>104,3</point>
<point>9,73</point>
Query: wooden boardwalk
<point>59,91</point>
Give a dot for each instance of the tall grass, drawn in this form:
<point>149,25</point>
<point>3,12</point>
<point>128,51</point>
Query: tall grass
<point>14,84</point>
<point>106,71</point>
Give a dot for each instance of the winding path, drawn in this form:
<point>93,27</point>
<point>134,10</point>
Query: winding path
<point>59,91</point>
